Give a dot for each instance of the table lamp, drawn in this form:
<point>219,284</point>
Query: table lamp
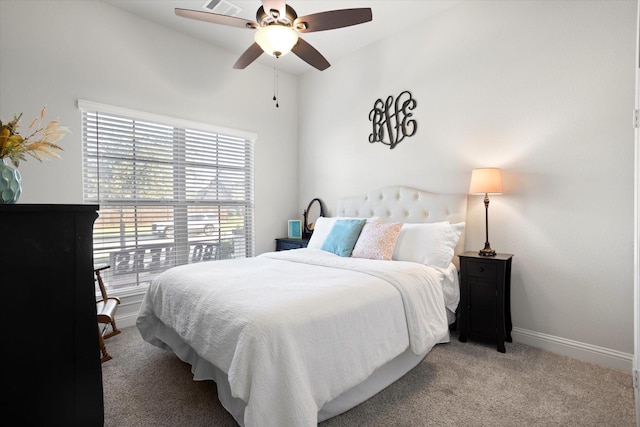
<point>486,181</point>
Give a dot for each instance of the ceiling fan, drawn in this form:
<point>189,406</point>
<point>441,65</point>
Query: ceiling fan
<point>278,25</point>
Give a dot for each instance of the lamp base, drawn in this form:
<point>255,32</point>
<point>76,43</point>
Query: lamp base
<point>487,251</point>
<point>484,252</point>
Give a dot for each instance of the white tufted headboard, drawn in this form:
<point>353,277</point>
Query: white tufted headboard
<point>398,203</point>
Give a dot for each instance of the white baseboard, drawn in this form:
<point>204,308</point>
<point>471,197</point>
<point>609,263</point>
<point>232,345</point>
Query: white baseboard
<point>126,321</point>
<point>578,350</point>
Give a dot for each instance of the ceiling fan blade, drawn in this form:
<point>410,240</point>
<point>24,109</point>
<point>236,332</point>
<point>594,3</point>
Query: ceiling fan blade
<point>216,18</point>
<point>332,19</point>
<point>310,55</point>
<point>248,56</point>
<point>279,5</point>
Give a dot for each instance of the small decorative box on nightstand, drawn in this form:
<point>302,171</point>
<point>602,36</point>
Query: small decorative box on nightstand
<point>485,298</point>
<point>285,244</point>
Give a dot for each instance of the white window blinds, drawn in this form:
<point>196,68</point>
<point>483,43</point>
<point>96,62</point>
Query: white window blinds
<point>171,192</point>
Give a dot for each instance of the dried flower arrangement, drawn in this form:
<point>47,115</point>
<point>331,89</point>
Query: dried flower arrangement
<point>41,143</point>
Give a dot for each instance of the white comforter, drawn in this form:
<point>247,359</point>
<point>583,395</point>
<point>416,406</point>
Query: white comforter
<point>297,328</point>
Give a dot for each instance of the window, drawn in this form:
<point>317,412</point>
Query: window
<point>170,192</point>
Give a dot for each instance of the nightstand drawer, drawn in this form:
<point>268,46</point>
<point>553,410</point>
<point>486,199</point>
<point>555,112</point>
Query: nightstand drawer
<point>482,270</point>
<point>285,244</point>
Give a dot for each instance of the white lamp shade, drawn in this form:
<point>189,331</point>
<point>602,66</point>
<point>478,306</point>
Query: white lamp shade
<point>276,40</point>
<point>486,181</point>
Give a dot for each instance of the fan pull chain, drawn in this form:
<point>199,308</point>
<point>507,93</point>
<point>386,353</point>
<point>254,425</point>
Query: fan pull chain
<point>275,86</point>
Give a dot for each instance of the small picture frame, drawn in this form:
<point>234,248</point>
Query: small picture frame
<point>295,229</point>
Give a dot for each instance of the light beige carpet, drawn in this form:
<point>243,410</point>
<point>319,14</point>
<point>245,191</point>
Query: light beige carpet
<point>457,384</point>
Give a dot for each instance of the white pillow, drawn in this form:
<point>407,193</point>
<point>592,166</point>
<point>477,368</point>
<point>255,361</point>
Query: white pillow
<point>324,225</point>
<point>431,243</point>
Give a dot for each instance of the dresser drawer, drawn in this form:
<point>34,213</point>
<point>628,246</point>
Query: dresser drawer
<point>482,270</point>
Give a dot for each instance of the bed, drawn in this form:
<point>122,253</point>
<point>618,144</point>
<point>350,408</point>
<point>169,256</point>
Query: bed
<point>292,338</point>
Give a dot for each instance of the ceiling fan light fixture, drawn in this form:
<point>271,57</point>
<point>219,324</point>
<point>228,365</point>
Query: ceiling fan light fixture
<point>276,40</point>
<point>277,26</point>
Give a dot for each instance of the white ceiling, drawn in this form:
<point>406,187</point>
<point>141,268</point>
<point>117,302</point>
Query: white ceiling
<point>389,17</point>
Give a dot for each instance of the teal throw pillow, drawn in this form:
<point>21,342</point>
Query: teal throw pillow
<point>343,236</point>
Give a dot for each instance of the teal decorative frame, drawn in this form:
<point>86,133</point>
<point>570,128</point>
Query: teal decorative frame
<point>295,229</point>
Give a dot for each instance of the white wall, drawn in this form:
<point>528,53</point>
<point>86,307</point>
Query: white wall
<point>543,90</point>
<point>55,52</point>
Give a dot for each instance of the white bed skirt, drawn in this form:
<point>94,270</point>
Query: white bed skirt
<point>203,370</point>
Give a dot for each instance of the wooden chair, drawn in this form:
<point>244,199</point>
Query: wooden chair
<point>106,310</point>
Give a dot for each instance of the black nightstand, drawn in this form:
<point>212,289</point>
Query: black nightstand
<point>285,244</point>
<point>485,298</point>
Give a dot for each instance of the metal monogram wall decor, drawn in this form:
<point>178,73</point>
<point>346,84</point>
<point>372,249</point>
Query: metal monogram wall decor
<point>392,121</point>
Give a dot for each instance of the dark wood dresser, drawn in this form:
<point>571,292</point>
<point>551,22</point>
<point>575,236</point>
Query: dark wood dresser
<point>51,373</point>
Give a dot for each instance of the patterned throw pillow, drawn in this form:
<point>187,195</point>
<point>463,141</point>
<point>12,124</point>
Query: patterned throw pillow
<point>377,240</point>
